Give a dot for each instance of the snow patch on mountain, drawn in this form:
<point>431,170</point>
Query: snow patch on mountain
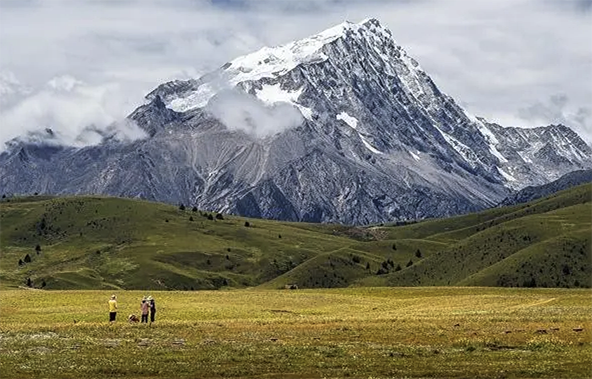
<point>349,120</point>
<point>272,94</point>
<point>506,176</point>
<point>197,99</point>
<point>465,151</point>
<point>497,154</point>
<point>369,146</point>
<point>415,156</point>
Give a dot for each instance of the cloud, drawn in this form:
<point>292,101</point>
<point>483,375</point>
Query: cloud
<point>494,57</point>
<point>76,114</point>
<point>238,110</point>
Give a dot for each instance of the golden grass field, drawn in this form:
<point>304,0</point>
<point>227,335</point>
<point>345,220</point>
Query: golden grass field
<point>334,333</point>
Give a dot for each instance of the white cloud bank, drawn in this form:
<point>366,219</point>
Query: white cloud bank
<point>241,111</point>
<point>69,64</point>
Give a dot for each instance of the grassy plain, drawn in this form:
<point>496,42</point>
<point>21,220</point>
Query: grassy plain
<point>466,332</point>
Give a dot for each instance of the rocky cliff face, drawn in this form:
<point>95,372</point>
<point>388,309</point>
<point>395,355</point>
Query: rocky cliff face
<point>343,126</point>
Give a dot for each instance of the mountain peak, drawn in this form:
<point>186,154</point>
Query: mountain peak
<point>272,62</point>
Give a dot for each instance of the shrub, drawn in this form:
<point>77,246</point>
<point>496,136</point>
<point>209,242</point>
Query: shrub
<point>398,268</point>
<point>418,253</point>
<point>381,271</point>
<point>385,265</point>
<point>43,284</point>
<point>27,258</point>
<point>367,265</point>
<point>210,217</point>
<point>190,218</point>
<point>356,259</point>
<point>166,220</point>
<point>247,224</point>
<point>394,247</point>
<point>37,248</point>
<point>181,207</point>
<point>29,282</point>
<point>194,209</point>
<point>410,263</point>
<point>219,216</point>
<point>279,236</point>
<point>20,262</point>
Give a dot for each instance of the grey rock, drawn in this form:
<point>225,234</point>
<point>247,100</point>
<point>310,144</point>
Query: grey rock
<point>531,193</point>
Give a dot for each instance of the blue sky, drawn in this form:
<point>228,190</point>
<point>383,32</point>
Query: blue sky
<point>517,62</point>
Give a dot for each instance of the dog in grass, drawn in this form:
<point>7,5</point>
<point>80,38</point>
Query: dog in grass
<point>133,318</point>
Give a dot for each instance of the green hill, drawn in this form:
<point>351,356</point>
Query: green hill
<point>543,243</point>
<point>101,242</point>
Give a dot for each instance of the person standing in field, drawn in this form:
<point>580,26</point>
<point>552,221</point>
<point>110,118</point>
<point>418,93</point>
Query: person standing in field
<point>152,309</point>
<point>112,308</point>
<point>145,307</point>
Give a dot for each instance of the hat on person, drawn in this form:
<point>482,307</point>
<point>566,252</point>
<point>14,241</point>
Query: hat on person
<point>149,298</point>
<point>145,298</point>
<point>113,296</point>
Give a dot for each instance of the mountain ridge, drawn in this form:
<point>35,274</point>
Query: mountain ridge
<point>366,136</point>
<point>531,193</point>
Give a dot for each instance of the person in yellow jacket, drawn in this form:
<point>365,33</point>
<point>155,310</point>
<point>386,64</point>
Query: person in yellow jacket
<point>112,308</point>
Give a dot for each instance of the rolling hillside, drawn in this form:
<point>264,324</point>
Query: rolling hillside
<point>101,242</point>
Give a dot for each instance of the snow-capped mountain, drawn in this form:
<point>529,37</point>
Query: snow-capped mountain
<point>342,126</point>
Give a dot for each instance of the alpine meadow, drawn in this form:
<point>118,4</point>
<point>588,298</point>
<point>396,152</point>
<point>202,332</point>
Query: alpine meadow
<point>251,326</point>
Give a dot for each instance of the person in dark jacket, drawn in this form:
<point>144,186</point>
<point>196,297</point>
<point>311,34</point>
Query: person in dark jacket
<point>152,304</point>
